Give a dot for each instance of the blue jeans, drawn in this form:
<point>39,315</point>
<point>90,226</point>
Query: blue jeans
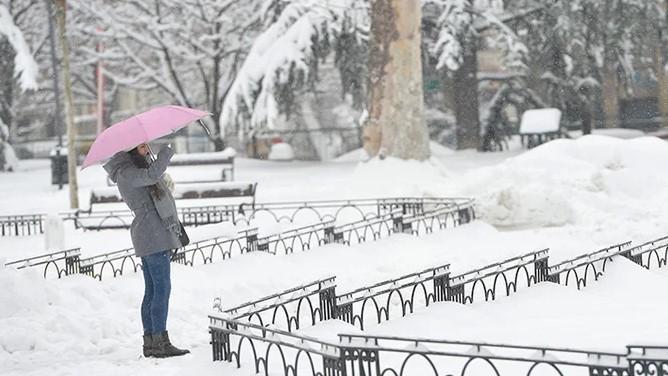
<point>157,287</point>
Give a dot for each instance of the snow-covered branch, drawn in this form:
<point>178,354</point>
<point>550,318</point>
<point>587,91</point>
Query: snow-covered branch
<point>284,58</point>
<point>25,66</point>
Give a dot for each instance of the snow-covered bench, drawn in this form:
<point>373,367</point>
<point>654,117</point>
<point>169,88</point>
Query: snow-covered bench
<point>105,195</point>
<point>210,175</point>
<point>539,126</point>
<point>225,157</point>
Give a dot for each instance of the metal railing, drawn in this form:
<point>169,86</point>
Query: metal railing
<point>420,288</point>
<point>62,263</point>
<point>583,268</point>
<point>361,354</point>
<point>244,213</point>
<point>288,308</point>
<point>504,276</point>
<point>117,263</point>
<point>269,350</point>
<point>21,225</point>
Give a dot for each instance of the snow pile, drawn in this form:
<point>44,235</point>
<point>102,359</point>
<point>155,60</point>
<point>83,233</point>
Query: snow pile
<point>40,317</point>
<point>568,181</point>
<point>437,151</point>
<point>392,177</point>
<point>281,152</point>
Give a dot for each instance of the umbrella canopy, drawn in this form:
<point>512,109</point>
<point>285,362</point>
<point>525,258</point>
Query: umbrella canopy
<point>140,129</point>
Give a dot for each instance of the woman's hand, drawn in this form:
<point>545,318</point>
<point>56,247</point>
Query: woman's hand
<point>169,182</point>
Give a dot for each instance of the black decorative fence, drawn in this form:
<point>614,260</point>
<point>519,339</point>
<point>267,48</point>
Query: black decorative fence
<point>650,254</point>
<point>290,309</point>
<point>504,278</point>
<point>273,350</point>
<point>393,298</point>
<point>279,352</point>
<point>261,334</point>
<point>58,264</point>
<point>122,218</point>
<point>402,215</point>
<point>383,355</point>
<point>590,267</point>
<point>21,225</point>
<point>117,263</point>
<point>341,211</point>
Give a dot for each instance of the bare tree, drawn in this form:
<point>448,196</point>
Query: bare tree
<point>187,49</point>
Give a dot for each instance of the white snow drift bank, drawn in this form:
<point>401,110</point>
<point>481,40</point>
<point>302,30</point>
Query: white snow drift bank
<point>581,181</point>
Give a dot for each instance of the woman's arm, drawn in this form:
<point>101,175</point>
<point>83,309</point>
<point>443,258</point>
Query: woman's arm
<point>141,177</point>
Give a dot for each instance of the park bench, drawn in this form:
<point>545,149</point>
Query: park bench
<point>224,158</point>
<point>105,195</point>
<point>539,126</point>
<point>107,211</point>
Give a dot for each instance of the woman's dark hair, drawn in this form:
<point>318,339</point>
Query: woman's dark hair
<point>141,162</point>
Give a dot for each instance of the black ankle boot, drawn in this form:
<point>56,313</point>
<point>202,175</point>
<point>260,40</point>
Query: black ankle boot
<point>148,346</point>
<point>163,348</point>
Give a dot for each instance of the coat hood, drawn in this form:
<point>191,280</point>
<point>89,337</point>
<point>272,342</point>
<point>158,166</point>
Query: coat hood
<point>116,163</point>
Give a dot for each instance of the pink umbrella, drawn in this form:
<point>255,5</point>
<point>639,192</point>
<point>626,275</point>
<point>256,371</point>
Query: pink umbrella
<point>140,129</point>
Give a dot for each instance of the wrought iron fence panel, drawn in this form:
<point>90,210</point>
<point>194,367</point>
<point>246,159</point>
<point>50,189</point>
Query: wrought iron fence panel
<point>197,216</point>
<point>288,309</point>
<point>366,229</point>
<point>245,213</point>
<point>218,248</point>
<point>62,263</point>
<point>112,264</point>
<point>648,360</point>
<point>583,269</point>
<point>302,238</point>
<point>504,276</point>
<point>426,287</point>
<point>651,254</point>
<point>446,217</point>
<point>245,343</point>
<point>384,355</point>
<point>21,225</point>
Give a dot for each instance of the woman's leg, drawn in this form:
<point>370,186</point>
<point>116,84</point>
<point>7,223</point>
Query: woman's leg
<point>161,281</point>
<point>146,319</point>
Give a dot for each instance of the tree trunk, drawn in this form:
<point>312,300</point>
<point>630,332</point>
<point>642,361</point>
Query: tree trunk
<point>396,125</point>
<point>466,100</point>
<point>61,8</point>
<point>610,94</point>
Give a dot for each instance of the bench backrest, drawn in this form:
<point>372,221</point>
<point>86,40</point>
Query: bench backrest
<point>220,157</point>
<point>105,195</point>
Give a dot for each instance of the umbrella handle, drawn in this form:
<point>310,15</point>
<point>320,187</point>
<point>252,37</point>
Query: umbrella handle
<point>205,127</point>
<point>151,154</point>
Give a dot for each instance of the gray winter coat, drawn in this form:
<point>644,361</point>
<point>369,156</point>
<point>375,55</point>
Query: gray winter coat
<point>149,234</point>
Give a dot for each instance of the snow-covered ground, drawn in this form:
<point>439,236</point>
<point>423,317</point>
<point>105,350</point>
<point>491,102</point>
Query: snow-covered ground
<point>574,196</point>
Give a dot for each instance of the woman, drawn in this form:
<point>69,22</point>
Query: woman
<point>155,231</point>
